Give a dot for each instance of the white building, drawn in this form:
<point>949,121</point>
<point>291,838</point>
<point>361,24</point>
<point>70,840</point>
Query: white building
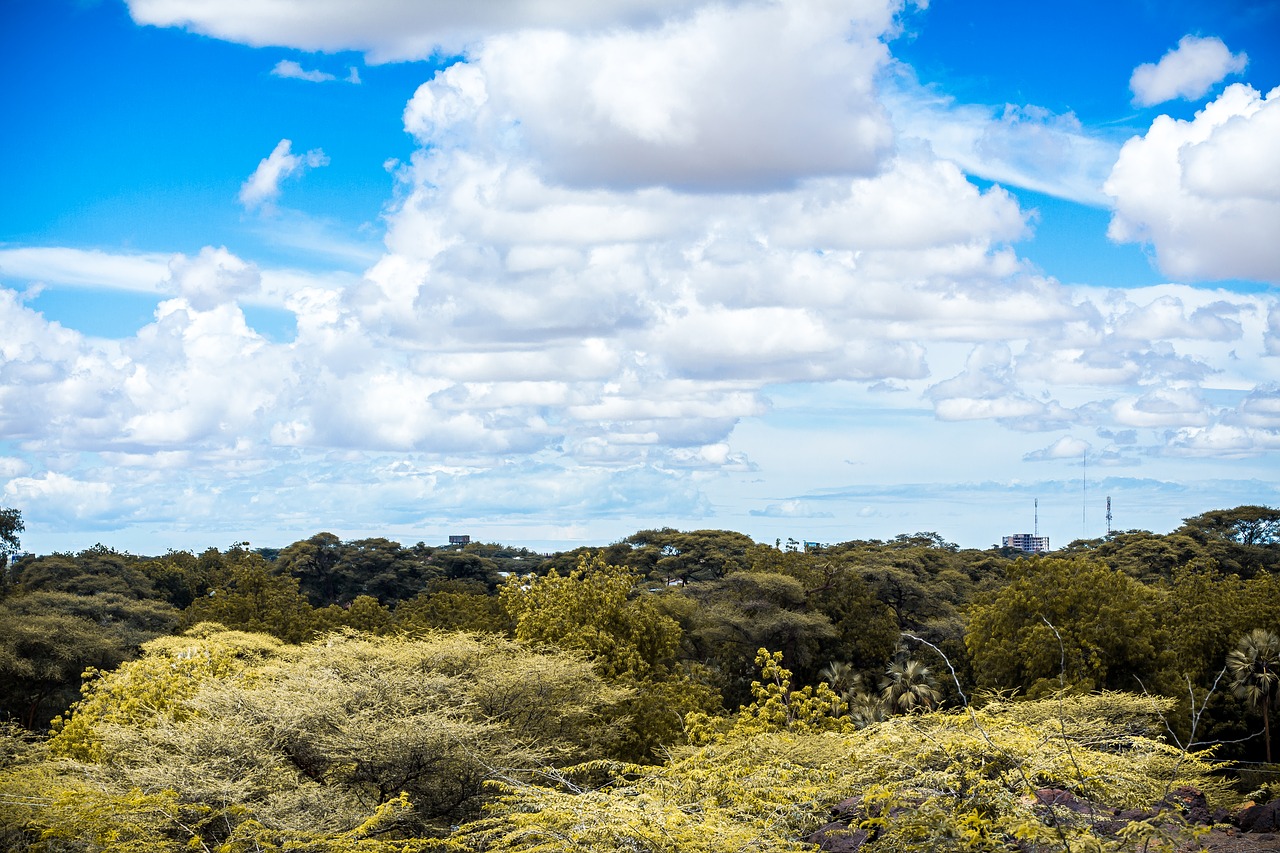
<point>1028,542</point>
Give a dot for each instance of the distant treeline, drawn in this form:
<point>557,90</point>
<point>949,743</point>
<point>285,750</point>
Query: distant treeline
<point>664,638</point>
<point>1134,606</point>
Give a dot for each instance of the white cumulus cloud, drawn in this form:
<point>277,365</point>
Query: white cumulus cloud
<point>213,277</point>
<point>1205,193</point>
<point>392,30</point>
<point>263,186</point>
<point>1187,71</point>
<point>689,104</point>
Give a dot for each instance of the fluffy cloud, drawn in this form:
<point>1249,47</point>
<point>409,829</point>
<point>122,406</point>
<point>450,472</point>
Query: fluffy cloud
<point>690,104</point>
<point>687,104</point>
<point>1187,71</point>
<point>1162,407</point>
<point>596,274</point>
<point>392,30</point>
<point>1165,318</point>
<point>56,496</point>
<point>263,186</point>
<point>1205,194</point>
<point>213,277</point>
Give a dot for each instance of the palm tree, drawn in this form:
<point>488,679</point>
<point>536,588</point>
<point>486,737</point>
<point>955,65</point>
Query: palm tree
<point>865,708</point>
<point>1254,665</point>
<point>841,676</point>
<point>908,686</point>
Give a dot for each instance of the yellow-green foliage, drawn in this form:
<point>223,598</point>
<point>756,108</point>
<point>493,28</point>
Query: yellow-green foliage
<point>776,707</point>
<point>592,610</point>
<point>169,672</point>
<point>360,743</point>
<point>597,609</point>
<point>927,782</point>
<point>230,742</point>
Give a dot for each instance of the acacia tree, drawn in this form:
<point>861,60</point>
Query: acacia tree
<point>1254,666</point>
<point>598,610</point>
<point>1242,540</point>
<point>10,526</point>
<point>1065,619</point>
<point>251,597</point>
<point>222,740</point>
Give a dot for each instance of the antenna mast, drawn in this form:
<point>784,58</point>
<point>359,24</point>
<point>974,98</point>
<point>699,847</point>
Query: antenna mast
<point>1084,494</point>
<point>1108,515</point>
<point>1036,526</point>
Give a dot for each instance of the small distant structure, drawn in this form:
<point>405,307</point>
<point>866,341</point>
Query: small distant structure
<point>1027,542</point>
<point>459,540</point>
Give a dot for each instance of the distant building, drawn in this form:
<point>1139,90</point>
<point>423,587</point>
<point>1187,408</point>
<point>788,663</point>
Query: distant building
<point>459,540</point>
<point>1028,542</point>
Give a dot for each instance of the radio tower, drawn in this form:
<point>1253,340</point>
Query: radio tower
<point>1108,515</point>
<point>1084,494</point>
<point>1036,524</point>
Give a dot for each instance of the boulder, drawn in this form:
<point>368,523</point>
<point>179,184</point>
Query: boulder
<point>838,838</point>
<point>1259,818</point>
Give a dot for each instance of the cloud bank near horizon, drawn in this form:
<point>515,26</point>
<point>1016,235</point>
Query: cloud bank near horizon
<point>619,236</point>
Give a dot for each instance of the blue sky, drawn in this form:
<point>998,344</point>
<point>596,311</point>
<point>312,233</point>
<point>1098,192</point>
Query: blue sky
<point>551,273</point>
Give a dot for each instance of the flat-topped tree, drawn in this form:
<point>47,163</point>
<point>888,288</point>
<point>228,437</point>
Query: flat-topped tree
<point>10,526</point>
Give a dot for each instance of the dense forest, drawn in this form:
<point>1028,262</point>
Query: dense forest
<point>673,691</point>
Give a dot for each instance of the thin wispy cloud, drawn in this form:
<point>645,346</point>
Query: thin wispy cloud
<point>289,69</point>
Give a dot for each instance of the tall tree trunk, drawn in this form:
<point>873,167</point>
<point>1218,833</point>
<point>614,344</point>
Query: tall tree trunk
<point>1266,724</point>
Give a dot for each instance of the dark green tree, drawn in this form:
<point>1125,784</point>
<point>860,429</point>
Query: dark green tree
<point>672,555</point>
<point>1243,540</point>
<point>746,611</point>
<point>1254,667</point>
<point>93,571</point>
<point>42,656</point>
<point>251,597</point>
<point>314,563</point>
<point>1074,620</point>
<point>10,526</point>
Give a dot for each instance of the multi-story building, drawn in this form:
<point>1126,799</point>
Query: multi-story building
<point>1028,542</point>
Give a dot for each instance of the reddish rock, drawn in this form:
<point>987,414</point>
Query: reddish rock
<point>1261,818</point>
<point>838,838</point>
<point>1065,799</point>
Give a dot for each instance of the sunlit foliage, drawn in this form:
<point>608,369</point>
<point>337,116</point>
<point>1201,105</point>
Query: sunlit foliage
<point>931,782</point>
<point>223,740</point>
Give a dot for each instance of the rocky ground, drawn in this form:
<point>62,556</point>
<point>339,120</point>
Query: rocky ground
<point>1231,841</point>
<point>1252,829</point>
